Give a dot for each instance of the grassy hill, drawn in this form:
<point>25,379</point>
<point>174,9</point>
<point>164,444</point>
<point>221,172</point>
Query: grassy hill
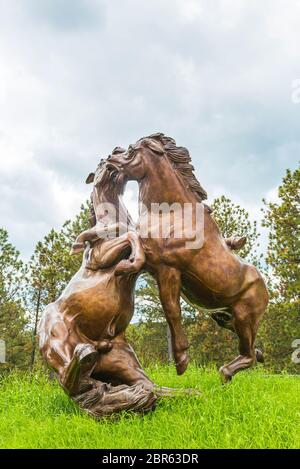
<point>255,411</point>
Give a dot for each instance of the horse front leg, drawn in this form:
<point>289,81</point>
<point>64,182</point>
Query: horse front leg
<point>76,377</point>
<point>120,365</point>
<point>64,351</point>
<point>169,285</point>
<point>82,238</point>
<point>99,231</point>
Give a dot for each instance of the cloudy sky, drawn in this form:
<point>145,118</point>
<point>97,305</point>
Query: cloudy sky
<point>79,77</point>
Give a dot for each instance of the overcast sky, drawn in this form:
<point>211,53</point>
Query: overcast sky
<point>80,77</point>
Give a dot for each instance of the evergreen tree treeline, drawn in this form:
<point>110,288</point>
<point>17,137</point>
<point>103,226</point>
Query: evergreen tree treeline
<point>25,289</point>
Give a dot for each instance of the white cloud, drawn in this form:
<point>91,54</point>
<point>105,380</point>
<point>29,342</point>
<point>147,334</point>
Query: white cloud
<point>272,195</point>
<point>130,199</point>
<point>189,10</point>
<point>78,78</point>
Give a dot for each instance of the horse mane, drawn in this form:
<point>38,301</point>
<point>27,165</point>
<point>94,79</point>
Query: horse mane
<point>181,162</point>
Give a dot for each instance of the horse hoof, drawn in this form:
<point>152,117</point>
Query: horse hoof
<point>239,243</point>
<point>104,346</point>
<point>259,356</point>
<point>182,365</point>
<point>236,242</point>
<point>76,248</point>
<point>226,376</point>
<point>86,354</point>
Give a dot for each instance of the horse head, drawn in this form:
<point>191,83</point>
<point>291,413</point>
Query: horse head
<point>159,156</point>
<point>104,175</point>
<point>137,160</point>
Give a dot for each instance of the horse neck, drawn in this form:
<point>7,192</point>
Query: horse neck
<point>162,184</point>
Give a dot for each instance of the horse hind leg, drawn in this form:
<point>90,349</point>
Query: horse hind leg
<point>247,313</point>
<point>246,334</point>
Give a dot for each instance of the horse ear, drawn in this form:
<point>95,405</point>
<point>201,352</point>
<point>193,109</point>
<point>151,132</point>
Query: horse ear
<point>154,146</point>
<point>90,178</point>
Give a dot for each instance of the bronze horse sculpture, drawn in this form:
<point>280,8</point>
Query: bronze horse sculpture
<point>82,334</point>
<point>211,276</point>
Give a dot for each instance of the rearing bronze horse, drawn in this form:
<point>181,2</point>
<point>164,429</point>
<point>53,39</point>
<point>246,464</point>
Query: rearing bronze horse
<point>211,276</point>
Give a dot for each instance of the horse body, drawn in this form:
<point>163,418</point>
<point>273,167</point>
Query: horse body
<point>220,275</point>
<point>211,275</point>
<point>85,293</point>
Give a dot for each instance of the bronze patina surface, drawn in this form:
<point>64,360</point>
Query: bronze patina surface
<point>82,334</point>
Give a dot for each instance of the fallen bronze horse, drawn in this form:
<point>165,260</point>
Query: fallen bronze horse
<point>211,276</point>
<point>81,335</point>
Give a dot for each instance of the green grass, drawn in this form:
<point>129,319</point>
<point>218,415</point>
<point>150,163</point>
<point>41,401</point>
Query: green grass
<point>255,411</point>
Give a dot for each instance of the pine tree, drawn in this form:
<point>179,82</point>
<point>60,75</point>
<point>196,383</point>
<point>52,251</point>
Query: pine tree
<point>232,219</point>
<point>12,312</point>
<point>281,325</point>
<point>283,220</point>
